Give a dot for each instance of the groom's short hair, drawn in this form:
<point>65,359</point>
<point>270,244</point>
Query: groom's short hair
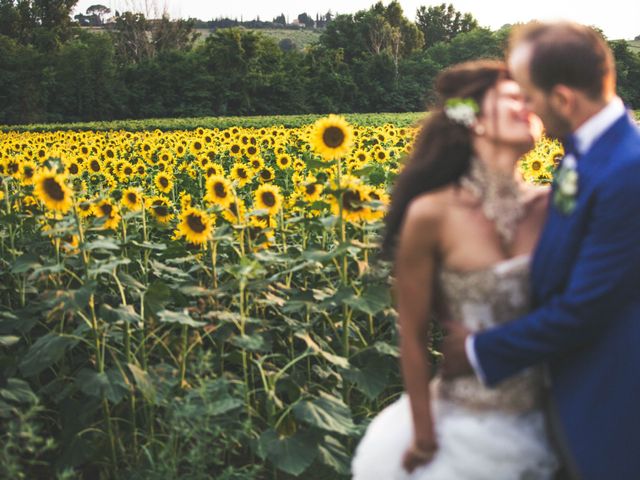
<point>569,54</point>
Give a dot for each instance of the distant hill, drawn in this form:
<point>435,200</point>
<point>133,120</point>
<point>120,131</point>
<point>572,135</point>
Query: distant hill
<point>635,45</point>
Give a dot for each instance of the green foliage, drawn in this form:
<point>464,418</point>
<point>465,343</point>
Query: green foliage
<point>371,61</point>
<point>442,23</point>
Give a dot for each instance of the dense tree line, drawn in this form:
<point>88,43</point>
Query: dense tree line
<point>372,61</point>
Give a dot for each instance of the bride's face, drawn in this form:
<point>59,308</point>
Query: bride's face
<point>505,120</point>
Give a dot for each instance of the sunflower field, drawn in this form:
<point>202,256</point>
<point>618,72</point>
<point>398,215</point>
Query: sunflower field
<point>195,304</point>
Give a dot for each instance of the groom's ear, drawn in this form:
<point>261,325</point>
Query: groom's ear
<point>563,100</point>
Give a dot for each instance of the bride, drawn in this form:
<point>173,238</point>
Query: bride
<point>461,229</point>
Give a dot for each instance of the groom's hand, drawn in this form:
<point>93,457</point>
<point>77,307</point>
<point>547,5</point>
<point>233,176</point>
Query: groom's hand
<point>455,362</point>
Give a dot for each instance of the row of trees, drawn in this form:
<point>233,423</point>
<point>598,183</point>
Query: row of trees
<point>372,61</point>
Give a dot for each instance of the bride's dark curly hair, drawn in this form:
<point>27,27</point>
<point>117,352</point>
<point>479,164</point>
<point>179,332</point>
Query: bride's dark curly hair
<point>442,150</point>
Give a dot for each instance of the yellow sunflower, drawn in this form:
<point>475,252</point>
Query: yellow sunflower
<point>85,207</point>
<point>51,189</point>
<point>28,171</point>
<point>284,161</point>
<point>219,191</point>
<point>268,197</point>
<point>241,174</point>
<point>331,137</point>
<point>106,210</point>
<point>353,195</point>
<point>266,174</point>
<point>160,208</point>
<point>195,225</point>
<point>132,199</point>
<point>163,182</point>
<point>311,190</point>
<point>236,212</point>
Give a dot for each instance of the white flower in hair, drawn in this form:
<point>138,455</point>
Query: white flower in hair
<point>461,110</point>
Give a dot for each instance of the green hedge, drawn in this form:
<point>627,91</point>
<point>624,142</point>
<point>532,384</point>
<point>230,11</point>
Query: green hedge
<point>399,119</point>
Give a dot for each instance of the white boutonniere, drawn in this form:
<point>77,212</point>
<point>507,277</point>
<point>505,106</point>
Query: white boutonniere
<point>566,189</point>
<point>462,110</point>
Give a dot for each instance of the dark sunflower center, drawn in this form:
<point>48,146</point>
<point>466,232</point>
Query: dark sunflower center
<point>94,165</point>
<point>269,199</point>
<point>160,209</point>
<point>235,148</point>
<point>219,190</point>
<point>106,209</point>
<point>242,173</point>
<point>128,171</point>
<point>351,201</point>
<point>73,169</point>
<point>311,189</point>
<point>164,183</point>
<point>132,197</point>
<point>333,137</point>
<point>381,155</point>
<point>13,167</point>
<point>266,174</point>
<point>251,150</point>
<point>28,172</point>
<point>197,145</point>
<point>536,165</point>
<point>255,164</point>
<point>54,189</point>
<point>195,223</point>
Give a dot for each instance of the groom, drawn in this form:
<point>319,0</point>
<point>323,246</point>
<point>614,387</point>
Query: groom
<point>585,322</point>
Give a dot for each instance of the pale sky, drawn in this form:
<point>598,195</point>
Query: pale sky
<point>619,19</point>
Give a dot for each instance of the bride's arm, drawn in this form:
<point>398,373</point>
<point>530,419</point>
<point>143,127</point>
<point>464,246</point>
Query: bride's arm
<point>414,270</point>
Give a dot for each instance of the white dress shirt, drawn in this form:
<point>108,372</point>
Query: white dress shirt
<point>585,136</point>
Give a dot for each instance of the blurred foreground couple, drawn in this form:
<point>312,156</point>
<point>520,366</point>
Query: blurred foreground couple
<point>538,289</point>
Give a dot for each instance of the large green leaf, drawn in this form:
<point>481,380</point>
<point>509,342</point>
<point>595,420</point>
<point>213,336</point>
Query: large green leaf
<point>45,352</point>
<point>183,318</point>
<point>25,262</point>
<point>372,300</point>
<point>102,244</point>
<point>292,454</point>
<point>373,377</point>
<point>327,413</point>
<point>333,454</point>
<point>18,391</point>
<point>109,384</point>
<point>123,313</point>
<point>253,343</point>
<point>143,382</point>
<point>156,297</point>
<point>8,340</point>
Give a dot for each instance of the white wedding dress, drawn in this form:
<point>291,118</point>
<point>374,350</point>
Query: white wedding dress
<point>482,433</point>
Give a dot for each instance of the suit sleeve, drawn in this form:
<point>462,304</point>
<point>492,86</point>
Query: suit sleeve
<point>605,278</point>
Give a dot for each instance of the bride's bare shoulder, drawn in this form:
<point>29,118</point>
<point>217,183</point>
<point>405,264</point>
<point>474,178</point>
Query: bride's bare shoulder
<point>430,207</point>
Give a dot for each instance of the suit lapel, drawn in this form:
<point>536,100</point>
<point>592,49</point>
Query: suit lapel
<point>548,261</point>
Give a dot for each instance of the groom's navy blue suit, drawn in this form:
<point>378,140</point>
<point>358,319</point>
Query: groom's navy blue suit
<point>586,320</point>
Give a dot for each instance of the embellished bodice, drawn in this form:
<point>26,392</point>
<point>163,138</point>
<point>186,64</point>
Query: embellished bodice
<point>482,299</point>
